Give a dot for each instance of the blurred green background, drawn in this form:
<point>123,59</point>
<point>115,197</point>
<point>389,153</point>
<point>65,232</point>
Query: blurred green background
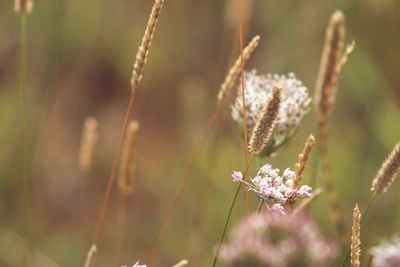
<point>80,56</point>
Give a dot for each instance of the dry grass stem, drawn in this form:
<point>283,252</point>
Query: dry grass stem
<point>388,172</point>
<point>355,238</point>
<point>88,144</point>
<point>125,182</point>
<point>265,125</point>
<point>91,256</point>
<point>330,66</point>
<point>235,70</point>
<point>303,159</point>
<point>23,7</point>
<point>142,54</point>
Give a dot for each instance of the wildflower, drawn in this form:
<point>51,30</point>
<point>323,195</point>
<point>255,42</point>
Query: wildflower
<point>387,254</point>
<point>272,239</point>
<point>237,176</point>
<point>295,103</point>
<point>274,188</point>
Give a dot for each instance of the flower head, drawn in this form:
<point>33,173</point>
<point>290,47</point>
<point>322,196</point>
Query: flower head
<point>274,188</point>
<point>387,254</point>
<point>272,239</point>
<point>237,176</point>
<point>294,105</point>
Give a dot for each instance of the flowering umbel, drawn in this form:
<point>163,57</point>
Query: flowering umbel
<point>387,254</point>
<point>275,189</point>
<point>295,103</point>
<point>272,239</point>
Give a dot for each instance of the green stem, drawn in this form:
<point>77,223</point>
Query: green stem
<point>260,205</point>
<point>229,214</point>
<point>346,256</point>
<point>24,125</point>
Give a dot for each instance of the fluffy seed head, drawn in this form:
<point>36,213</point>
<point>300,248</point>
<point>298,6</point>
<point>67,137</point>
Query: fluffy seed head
<point>330,66</point>
<point>142,54</point>
<point>23,7</point>
<point>388,172</point>
<point>303,159</point>
<point>234,72</point>
<point>125,182</point>
<point>266,123</point>
<point>355,238</point>
<point>91,256</point>
<point>88,143</point>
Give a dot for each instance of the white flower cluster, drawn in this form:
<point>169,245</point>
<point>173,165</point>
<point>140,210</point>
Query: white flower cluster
<point>387,254</point>
<point>272,187</point>
<point>258,89</point>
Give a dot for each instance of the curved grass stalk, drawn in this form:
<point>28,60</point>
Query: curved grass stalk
<point>107,193</point>
<point>230,214</point>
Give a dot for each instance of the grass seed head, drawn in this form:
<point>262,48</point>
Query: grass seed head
<point>388,172</point>
<point>266,123</point>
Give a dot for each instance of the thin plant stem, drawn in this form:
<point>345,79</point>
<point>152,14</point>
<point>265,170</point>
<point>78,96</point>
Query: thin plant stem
<point>107,193</point>
<point>246,146</point>
<point>122,211</point>
<point>229,214</point>
<point>24,132</point>
<point>364,214</point>
<point>183,185</point>
<point>336,214</point>
<point>260,205</point>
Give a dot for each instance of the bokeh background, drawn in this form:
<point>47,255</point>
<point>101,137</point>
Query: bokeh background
<point>80,56</point>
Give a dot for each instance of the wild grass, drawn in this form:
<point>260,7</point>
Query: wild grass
<point>279,232</point>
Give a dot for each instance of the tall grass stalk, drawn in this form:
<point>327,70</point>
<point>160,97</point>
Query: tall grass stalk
<point>137,74</point>
<point>335,214</point>
<point>246,145</point>
<point>107,193</point>
<point>24,133</point>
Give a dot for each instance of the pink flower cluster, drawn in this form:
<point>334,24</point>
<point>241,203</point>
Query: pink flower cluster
<point>387,254</point>
<point>272,187</point>
<point>272,239</point>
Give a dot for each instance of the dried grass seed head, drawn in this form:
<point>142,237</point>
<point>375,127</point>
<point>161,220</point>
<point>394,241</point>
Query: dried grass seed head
<point>23,7</point>
<point>265,125</point>
<point>388,172</point>
<point>303,159</point>
<point>330,66</point>
<point>355,248</point>
<point>125,181</point>
<point>142,54</point>
<point>88,144</point>
<point>91,256</point>
<point>235,70</point>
